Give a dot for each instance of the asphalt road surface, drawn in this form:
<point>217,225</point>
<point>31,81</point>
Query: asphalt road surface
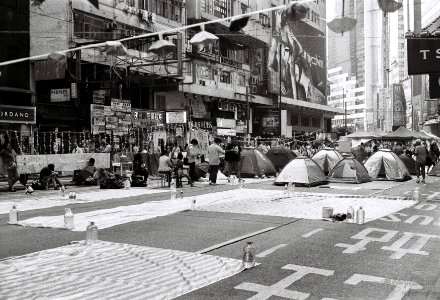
<point>394,257</point>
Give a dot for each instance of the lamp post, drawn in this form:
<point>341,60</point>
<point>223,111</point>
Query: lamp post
<point>280,79</point>
<point>345,110</point>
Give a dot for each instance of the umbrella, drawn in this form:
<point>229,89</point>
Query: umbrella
<point>115,48</point>
<point>389,5</point>
<point>402,133</point>
<point>343,23</point>
<point>237,23</point>
<point>162,47</point>
<point>297,11</point>
<point>203,37</point>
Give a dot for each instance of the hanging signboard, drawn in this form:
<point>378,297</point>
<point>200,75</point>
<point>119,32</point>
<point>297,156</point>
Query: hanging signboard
<point>423,55</point>
<point>99,96</point>
<point>17,114</point>
<point>398,99</point>
<point>175,117</point>
<point>146,118</point>
<point>60,95</point>
<point>120,105</point>
<point>226,131</point>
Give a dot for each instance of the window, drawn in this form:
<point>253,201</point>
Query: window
<point>294,120</point>
<point>244,8</point>
<point>160,102</point>
<point>225,77</point>
<point>264,20</point>
<point>316,122</point>
<point>305,121</point>
<point>130,2</point>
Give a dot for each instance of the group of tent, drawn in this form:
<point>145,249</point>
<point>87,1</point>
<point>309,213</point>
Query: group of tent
<point>326,165</point>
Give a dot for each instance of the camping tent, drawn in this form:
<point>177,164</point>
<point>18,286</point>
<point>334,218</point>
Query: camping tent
<point>255,163</point>
<point>280,156</point>
<point>435,171</point>
<point>349,170</point>
<point>402,133</point>
<point>386,164</point>
<point>430,134</point>
<point>303,171</point>
<point>409,163</point>
<point>327,158</point>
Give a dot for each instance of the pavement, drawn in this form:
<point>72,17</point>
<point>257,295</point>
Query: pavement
<point>394,256</point>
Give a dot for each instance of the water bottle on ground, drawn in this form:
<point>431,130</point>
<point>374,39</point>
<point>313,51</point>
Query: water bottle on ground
<point>68,219</point>
<point>241,184</point>
<point>72,196</point>
<point>181,195</point>
<point>13,215</point>
<point>291,188</point>
<point>173,190</point>
<point>62,191</point>
<point>416,194</point>
<point>193,204</point>
<point>286,190</point>
<point>127,184</point>
<point>232,180</point>
<point>248,255</point>
<point>92,232</point>
<point>360,216</point>
<point>350,215</point>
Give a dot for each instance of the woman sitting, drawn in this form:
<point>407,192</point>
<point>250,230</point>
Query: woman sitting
<point>165,166</point>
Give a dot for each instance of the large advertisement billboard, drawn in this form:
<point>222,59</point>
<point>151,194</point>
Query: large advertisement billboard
<point>302,50</point>
<point>399,104</point>
<point>423,55</point>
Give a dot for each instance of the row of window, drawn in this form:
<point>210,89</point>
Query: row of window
<point>305,121</point>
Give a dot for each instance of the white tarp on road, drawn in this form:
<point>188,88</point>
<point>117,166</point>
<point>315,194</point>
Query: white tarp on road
<point>105,270</point>
<point>245,201</point>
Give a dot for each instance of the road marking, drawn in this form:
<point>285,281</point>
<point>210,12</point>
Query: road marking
<point>360,246</point>
<point>271,250</point>
<point>433,195</point>
<point>234,240</point>
<point>312,232</point>
<point>427,219</point>
<point>279,289</point>
<point>415,248</point>
<point>402,287</point>
<point>426,206</point>
<point>393,218</point>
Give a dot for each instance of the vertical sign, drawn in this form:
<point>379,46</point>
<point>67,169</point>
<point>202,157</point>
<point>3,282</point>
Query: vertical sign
<point>398,104</point>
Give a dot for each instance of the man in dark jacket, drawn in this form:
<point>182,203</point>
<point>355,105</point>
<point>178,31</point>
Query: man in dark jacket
<point>233,158</point>
<point>48,175</point>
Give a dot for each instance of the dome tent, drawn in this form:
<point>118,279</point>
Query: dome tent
<point>301,171</point>
<point>409,163</point>
<point>255,163</point>
<point>280,156</point>
<point>349,170</point>
<point>386,164</point>
<point>327,158</point>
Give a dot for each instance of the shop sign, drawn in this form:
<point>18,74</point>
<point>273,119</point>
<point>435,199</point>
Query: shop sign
<point>175,117</point>
<point>99,96</point>
<point>143,118</point>
<point>226,131</point>
<point>179,131</point>
<point>226,123</point>
<point>17,114</point>
<point>120,105</point>
<point>423,56</point>
<point>73,90</point>
<point>201,123</point>
<point>60,95</point>
<point>399,104</point>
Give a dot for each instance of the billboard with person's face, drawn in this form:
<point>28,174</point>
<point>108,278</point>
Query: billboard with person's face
<point>302,49</point>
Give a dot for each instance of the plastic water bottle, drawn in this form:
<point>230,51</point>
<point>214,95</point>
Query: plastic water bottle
<point>193,204</point>
<point>241,184</point>
<point>291,188</point>
<point>360,216</point>
<point>232,180</point>
<point>286,190</point>
<point>68,219</point>
<point>181,195</point>
<point>350,215</point>
<point>127,184</point>
<point>72,196</point>
<point>416,194</point>
<point>249,255</point>
<point>173,190</point>
<point>13,215</point>
<point>62,191</point>
<point>92,232</point>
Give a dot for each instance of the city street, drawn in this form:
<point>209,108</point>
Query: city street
<point>394,257</point>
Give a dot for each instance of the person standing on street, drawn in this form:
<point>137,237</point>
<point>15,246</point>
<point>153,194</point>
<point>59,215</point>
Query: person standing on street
<point>214,152</point>
<point>10,159</point>
<point>233,158</point>
<point>420,154</point>
<point>193,155</point>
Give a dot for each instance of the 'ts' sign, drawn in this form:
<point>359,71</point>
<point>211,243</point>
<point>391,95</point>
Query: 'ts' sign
<point>423,55</point>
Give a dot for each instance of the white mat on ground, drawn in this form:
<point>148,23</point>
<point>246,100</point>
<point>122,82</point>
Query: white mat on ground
<point>105,270</point>
<point>246,201</point>
<point>222,179</point>
<point>34,202</point>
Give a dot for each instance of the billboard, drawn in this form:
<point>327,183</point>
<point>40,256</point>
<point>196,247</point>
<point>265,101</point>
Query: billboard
<point>423,55</point>
<point>434,86</point>
<point>302,49</point>
<point>399,104</point>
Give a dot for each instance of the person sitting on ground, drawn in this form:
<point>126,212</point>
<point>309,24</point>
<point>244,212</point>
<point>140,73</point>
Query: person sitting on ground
<point>178,171</point>
<point>85,176</point>
<point>108,180</point>
<point>165,166</point>
<point>49,176</point>
<point>139,170</point>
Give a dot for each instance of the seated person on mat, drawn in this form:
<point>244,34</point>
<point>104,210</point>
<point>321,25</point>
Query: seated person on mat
<point>165,166</point>
<point>85,176</point>
<point>48,175</point>
<point>178,171</point>
<point>108,180</point>
<point>140,172</point>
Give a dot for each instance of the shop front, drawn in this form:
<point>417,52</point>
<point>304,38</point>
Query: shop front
<point>16,127</point>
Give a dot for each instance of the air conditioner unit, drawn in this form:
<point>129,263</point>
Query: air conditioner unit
<point>202,82</point>
<point>253,89</point>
